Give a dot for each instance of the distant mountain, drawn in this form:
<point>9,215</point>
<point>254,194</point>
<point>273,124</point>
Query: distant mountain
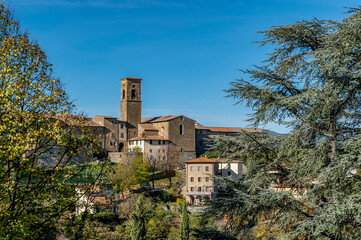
<point>276,134</point>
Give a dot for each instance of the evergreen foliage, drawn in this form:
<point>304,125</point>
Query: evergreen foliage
<point>138,231</point>
<point>311,83</point>
<point>184,225</point>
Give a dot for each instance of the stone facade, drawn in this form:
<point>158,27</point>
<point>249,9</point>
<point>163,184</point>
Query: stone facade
<point>205,135</point>
<point>199,183</point>
<point>199,177</point>
<point>122,136</point>
<point>111,133</point>
<point>131,104</point>
<point>179,130</point>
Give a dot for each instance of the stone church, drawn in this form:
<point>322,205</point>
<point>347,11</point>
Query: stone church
<point>154,136</point>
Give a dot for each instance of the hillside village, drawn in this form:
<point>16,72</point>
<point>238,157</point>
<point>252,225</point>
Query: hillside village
<point>65,176</point>
<point>163,137</point>
<point>153,135</point>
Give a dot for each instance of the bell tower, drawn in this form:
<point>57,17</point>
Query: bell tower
<point>131,104</point>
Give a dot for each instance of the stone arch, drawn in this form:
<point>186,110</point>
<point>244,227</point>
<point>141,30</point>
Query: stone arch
<point>133,93</point>
<point>198,200</point>
<point>191,200</point>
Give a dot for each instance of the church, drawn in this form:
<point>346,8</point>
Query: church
<point>155,136</point>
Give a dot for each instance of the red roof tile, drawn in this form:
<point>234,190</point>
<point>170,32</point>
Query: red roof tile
<point>200,160</point>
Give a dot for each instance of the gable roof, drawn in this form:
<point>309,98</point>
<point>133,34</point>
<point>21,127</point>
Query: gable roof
<point>165,118</point>
<point>226,160</point>
<point>201,160</point>
<point>148,127</point>
<point>92,123</point>
<point>200,126</point>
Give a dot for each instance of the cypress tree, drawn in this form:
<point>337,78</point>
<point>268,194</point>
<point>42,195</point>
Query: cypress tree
<point>138,230</point>
<point>184,226</point>
<point>310,83</point>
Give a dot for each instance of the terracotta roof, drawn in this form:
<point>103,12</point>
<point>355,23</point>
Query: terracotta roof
<point>282,185</point>
<point>159,119</point>
<point>89,190</point>
<point>225,160</point>
<point>200,160</point>
<point>148,127</point>
<point>200,126</point>
<point>148,138</point>
<point>165,118</point>
<point>100,200</point>
<point>234,130</point>
<point>104,116</point>
<point>92,123</point>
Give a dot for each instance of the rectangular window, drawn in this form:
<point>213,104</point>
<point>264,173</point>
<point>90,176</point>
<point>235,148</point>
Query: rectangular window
<point>150,142</point>
<point>163,141</point>
<point>207,179</point>
<point>112,121</point>
<point>192,168</point>
<point>199,168</point>
<point>122,135</point>
<point>113,135</point>
<point>199,179</point>
<point>207,168</point>
<point>159,142</point>
<point>121,126</point>
<point>150,150</point>
<point>192,179</point>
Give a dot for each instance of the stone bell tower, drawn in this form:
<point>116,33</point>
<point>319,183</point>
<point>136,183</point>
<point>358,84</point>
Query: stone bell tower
<point>131,104</point>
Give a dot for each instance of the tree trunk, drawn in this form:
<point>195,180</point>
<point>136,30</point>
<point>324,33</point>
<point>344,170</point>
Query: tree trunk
<point>170,179</point>
<point>153,173</point>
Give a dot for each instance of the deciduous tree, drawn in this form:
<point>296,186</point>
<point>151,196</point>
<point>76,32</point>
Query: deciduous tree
<point>39,138</point>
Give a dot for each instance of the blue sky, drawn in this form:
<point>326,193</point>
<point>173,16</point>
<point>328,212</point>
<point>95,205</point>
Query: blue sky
<point>186,51</point>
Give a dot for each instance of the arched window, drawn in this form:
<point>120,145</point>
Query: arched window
<point>123,94</point>
<point>181,129</point>
<point>199,189</point>
<point>133,93</point>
